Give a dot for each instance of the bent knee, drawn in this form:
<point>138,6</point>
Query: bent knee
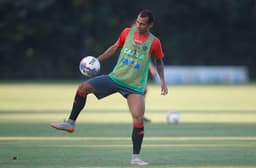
<point>86,88</point>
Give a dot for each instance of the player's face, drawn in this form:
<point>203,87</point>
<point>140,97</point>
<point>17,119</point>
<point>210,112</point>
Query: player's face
<point>142,25</point>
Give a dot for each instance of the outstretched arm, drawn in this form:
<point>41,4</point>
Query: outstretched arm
<point>108,53</point>
<point>160,70</point>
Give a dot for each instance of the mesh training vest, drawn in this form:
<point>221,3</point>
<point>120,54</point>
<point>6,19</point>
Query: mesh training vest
<point>131,69</point>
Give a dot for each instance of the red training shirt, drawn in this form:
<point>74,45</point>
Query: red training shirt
<point>155,49</point>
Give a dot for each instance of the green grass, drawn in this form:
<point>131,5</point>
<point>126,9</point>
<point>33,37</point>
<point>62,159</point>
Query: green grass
<point>217,128</point>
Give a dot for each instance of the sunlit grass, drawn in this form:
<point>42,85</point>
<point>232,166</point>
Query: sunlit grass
<point>60,97</point>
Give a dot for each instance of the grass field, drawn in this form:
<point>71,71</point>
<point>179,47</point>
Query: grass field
<point>217,128</point>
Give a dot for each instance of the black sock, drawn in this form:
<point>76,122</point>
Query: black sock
<point>137,137</point>
<point>78,105</point>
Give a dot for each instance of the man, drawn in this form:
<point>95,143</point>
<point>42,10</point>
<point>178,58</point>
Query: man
<point>129,78</point>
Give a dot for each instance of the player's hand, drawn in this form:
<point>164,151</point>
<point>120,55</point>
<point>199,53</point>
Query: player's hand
<point>164,89</point>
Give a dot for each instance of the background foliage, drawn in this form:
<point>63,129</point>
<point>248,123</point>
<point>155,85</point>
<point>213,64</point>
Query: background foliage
<point>45,39</point>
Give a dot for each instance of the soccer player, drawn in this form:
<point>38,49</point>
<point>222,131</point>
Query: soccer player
<point>129,78</point>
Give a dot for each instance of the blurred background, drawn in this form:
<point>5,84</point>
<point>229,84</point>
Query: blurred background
<point>45,39</point>
<point>204,41</point>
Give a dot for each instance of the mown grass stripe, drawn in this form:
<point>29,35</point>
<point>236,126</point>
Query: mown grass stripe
<point>16,138</point>
<point>154,145</point>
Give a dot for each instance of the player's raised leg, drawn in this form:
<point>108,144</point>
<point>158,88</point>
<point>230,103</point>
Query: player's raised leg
<point>78,104</point>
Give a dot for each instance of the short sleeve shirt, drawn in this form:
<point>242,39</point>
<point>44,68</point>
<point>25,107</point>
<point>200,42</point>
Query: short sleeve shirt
<point>156,47</point>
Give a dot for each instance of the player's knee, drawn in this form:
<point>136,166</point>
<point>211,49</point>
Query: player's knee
<point>84,88</point>
<point>138,118</point>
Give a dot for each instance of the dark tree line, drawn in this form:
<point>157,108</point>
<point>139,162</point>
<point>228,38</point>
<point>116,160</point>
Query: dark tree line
<point>45,39</point>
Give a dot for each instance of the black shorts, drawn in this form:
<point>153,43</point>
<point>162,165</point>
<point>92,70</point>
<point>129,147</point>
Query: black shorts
<point>105,86</point>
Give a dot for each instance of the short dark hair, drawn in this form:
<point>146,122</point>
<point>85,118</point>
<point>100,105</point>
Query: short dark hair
<point>147,13</point>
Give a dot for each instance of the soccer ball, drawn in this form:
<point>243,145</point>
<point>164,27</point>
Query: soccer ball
<point>173,117</point>
<point>89,66</point>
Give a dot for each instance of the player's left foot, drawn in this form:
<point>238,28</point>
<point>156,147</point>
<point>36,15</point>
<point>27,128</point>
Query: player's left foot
<point>139,162</point>
<point>67,125</point>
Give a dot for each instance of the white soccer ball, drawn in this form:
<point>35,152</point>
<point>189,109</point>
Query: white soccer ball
<point>89,66</point>
<point>173,117</point>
